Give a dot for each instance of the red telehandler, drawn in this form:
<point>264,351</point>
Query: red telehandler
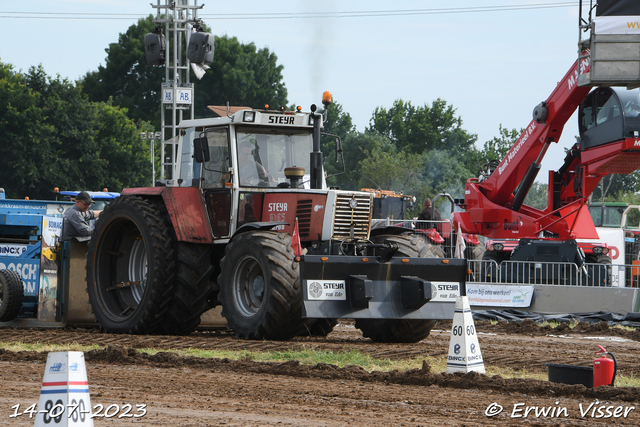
<point>609,143</point>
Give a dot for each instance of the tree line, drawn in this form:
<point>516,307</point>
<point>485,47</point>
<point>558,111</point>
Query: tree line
<point>86,134</point>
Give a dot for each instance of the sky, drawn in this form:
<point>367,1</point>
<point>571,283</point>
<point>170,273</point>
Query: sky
<point>492,60</point>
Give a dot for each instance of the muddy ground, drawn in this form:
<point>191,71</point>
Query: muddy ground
<point>183,391</point>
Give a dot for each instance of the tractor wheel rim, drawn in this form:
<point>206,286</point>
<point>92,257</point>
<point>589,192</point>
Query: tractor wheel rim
<point>121,302</point>
<point>138,269</point>
<point>249,286</point>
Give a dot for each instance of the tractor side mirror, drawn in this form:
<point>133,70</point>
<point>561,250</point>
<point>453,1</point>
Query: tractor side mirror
<point>201,149</point>
<point>338,148</point>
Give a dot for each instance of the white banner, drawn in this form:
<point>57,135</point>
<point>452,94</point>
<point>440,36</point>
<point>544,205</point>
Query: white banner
<point>12,250</point>
<point>500,295</point>
<point>617,24</point>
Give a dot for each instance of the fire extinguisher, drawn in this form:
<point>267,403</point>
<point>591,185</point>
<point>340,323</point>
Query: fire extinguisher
<point>604,369</point>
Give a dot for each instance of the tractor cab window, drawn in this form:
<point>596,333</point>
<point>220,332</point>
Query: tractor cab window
<point>586,115</point>
<point>607,107</point>
<point>216,170</point>
<point>263,155</point>
<point>606,216</point>
<point>612,216</point>
<point>601,118</point>
<point>630,100</point>
<point>596,215</point>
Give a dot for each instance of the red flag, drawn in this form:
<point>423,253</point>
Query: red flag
<point>295,240</point>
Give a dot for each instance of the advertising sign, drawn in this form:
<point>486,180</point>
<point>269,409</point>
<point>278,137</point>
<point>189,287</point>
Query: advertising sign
<point>500,295</point>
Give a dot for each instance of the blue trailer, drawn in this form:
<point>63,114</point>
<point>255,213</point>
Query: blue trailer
<point>42,278</point>
<point>31,248</point>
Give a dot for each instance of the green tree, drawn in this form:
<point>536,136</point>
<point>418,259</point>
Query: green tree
<point>537,197</point>
<point>497,148</point>
<point>25,135</point>
<point>338,123</point>
<point>126,76</point>
<point>612,187</point>
<point>55,137</point>
<point>356,146</point>
<point>240,74</point>
<point>390,170</point>
<point>420,129</point>
<point>444,172</point>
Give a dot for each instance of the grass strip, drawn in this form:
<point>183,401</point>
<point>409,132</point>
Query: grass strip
<point>312,356</point>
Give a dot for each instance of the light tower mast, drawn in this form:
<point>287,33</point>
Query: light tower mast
<point>178,17</point>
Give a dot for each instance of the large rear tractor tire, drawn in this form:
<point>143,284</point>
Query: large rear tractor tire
<point>193,291</point>
<point>130,267</point>
<point>260,286</point>
<point>400,330</point>
<point>11,295</point>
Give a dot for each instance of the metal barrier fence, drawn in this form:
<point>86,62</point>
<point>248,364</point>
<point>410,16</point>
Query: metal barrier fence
<point>552,273</point>
<point>439,233</point>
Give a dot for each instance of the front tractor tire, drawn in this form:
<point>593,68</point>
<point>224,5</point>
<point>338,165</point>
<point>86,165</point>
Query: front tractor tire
<point>260,286</point>
<point>130,267</point>
<point>401,330</point>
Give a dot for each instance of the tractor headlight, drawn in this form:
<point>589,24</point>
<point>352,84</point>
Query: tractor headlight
<point>496,247</point>
<point>249,116</point>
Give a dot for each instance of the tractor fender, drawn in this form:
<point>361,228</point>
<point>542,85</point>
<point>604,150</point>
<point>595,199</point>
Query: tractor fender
<point>378,230</point>
<point>185,207</point>
<point>253,226</point>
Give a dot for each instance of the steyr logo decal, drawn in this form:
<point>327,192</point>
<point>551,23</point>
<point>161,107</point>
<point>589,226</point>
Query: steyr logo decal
<point>315,289</point>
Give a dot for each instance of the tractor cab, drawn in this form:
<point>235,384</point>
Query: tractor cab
<point>607,214</point>
<point>260,157</point>
<point>609,114</point>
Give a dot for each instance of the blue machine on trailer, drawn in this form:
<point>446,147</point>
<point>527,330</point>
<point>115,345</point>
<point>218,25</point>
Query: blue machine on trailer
<point>31,246</point>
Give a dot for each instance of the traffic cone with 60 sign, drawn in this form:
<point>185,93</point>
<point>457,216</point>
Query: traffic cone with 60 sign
<point>64,397</point>
<point>464,350</point>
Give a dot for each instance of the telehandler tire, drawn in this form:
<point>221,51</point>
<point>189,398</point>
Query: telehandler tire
<point>395,330</point>
<point>598,278</point>
<point>11,295</point>
<point>400,330</point>
<point>130,267</point>
<point>318,327</point>
<point>260,286</point>
<point>490,272</point>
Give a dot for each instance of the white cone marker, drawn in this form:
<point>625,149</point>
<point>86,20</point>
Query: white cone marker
<point>64,397</point>
<point>464,349</point>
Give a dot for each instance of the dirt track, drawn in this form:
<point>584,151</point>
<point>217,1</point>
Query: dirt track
<point>195,392</point>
